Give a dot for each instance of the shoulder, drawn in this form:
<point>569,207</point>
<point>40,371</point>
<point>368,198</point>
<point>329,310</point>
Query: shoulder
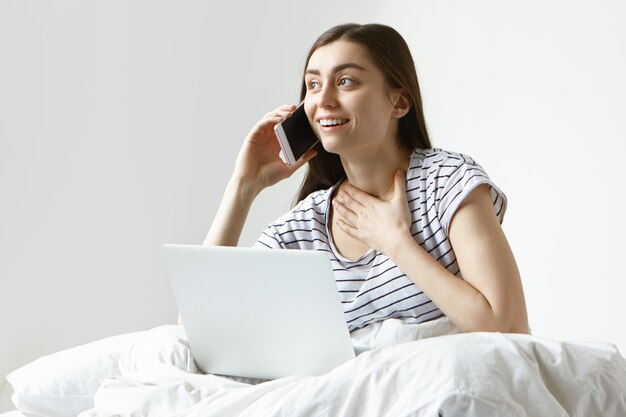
<point>313,201</point>
<point>452,178</point>
<point>439,158</point>
<point>302,227</point>
<point>312,208</point>
<point>435,167</point>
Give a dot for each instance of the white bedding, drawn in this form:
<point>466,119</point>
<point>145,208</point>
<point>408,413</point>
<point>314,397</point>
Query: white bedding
<point>475,374</point>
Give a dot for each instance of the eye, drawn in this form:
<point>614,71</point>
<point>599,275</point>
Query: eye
<point>346,82</point>
<point>312,85</point>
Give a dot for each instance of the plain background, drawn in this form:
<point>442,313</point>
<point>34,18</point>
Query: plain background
<point>120,122</point>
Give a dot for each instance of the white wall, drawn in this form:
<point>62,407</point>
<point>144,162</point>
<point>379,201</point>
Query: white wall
<point>120,122</point>
<point>119,126</point>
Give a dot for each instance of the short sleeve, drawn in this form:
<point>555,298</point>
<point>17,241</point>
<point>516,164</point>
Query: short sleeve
<point>300,228</point>
<point>460,174</point>
<point>269,239</point>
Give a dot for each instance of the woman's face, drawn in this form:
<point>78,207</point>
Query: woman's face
<point>348,102</point>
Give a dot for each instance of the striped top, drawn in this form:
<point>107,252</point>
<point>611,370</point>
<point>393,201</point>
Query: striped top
<point>372,288</point>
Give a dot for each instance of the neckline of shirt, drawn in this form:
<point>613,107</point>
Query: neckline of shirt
<point>331,242</point>
<point>367,255</point>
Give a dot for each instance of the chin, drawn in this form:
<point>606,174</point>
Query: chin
<point>331,146</point>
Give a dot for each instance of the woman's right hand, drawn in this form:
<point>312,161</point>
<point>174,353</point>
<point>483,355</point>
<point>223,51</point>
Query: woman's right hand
<point>258,162</point>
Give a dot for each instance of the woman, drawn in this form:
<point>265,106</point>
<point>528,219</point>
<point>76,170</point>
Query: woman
<point>412,232</point>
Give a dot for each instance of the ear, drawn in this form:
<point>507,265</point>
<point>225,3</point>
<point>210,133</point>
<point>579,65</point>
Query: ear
<point>401,103</point>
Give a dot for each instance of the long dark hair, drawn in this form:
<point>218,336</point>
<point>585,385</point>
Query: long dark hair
<point>391,54</point>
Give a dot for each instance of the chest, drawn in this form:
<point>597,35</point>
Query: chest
<point>347,246</point>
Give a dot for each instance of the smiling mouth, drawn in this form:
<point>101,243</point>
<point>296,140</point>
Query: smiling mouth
<point>332,122</point>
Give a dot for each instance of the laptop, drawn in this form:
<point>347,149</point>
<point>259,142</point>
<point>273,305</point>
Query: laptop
<point>259,313</point>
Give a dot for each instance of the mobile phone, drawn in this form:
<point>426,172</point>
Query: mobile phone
<point>295,135</point>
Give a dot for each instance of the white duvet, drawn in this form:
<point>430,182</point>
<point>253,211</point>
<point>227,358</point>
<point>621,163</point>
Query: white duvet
<point>412,370</point>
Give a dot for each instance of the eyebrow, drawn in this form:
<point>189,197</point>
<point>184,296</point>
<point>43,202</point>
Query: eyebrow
<point>338,68</point>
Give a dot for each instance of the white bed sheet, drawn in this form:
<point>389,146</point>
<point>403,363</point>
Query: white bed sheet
<point>14,413</point>
<point>475,374</point>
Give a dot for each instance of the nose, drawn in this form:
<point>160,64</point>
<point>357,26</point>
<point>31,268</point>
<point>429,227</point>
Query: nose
<point>327,97</point>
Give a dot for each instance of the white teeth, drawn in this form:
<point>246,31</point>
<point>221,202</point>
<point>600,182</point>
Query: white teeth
<point>332,122</point>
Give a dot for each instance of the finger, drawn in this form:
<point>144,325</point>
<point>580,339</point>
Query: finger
<point>349,203</point>
<point>345,212</point>
<point>310,154</point>
<point>286,110</point>
<point>284,107</point>
<point>349,229</point>
<point>359,196</point>
<point>280,115</point>
<point>283,111</point>
<point>400,185</point>
<point>268,121</point>
<point>401,180</point>
<point>357,200</point>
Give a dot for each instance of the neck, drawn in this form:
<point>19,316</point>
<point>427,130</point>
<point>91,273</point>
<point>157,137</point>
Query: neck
<point>374,173</point>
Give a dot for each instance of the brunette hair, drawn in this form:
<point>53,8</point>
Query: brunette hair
<point>391,54</point>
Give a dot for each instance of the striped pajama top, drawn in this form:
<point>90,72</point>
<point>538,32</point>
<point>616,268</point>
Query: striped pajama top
<point>372,288</point>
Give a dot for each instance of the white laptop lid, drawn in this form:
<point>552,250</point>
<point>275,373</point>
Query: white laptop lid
<point>259,313</point>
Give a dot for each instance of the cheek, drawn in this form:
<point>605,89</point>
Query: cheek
<point>368,115</point>
<point>375,112</point>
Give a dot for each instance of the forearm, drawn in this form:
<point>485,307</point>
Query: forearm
<point>463,304</point>
<point>232,214</point>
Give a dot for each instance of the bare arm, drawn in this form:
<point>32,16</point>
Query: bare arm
<point>258,166</point>
<point>231,214</point>
<point>490,296</point>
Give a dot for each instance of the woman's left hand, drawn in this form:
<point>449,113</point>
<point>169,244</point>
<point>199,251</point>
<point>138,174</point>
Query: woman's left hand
<point>375,222</point>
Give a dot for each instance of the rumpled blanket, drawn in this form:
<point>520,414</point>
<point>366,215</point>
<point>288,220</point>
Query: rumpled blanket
<point>429,369</point>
